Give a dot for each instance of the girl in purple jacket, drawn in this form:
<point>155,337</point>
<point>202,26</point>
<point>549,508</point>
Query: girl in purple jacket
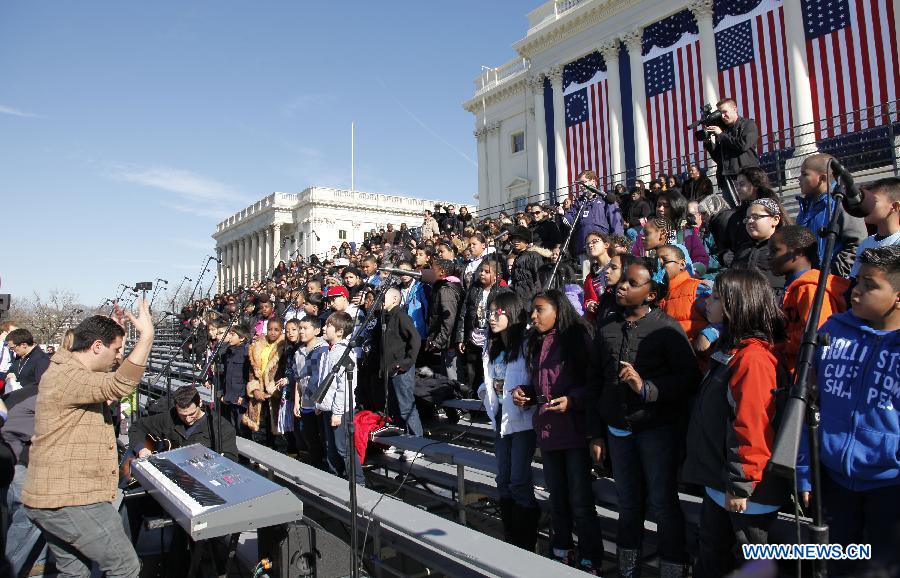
<point>557,359</point>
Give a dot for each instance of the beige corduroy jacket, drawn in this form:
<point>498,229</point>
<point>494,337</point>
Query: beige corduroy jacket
<point>73,459</point>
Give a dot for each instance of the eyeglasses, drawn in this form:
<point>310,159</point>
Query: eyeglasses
<point>497,313</point>
<point>594,242</point>
<point>754,218</point>
<point>536,213</point>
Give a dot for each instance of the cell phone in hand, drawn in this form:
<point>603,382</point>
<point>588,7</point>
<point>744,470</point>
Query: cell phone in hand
<point>541,399</point>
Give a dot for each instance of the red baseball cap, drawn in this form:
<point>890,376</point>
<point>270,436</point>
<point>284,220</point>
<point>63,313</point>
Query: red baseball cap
<point>336,290</point>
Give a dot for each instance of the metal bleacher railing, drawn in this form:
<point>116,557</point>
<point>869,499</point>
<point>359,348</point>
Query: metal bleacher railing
<point>442,505</point>
<point>866,140</point>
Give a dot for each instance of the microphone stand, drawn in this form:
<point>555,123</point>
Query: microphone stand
<point>153,295</point>
<point>565,248</point>
<point>119,298</point>
<point>802,409</point>
<point>200,278</point>
<point>344,362</point>
<point>175,295</point>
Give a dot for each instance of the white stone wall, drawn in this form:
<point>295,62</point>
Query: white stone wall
<point>251,242</point>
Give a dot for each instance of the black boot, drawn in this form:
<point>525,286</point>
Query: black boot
<point>525,526</point>
<point>508,517</point>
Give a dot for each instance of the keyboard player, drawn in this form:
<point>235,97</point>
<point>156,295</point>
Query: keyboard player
<point>73,463</point>
<point>189,422</point>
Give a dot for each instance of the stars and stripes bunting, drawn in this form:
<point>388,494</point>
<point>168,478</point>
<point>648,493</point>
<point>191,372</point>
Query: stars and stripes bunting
<point>672,81</point>
<point>751,54</point>
<point>851,50</point>
<point>587,118</point>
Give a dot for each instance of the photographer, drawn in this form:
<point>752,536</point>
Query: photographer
<point>731,141</point>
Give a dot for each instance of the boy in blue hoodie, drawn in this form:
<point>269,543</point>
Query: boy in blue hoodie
<point>858,384</point>
<point>308,361</point>
<point>816,206</point>
<point>334,409</point>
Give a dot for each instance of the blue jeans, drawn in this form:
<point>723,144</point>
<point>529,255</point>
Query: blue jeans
<point>514,455</point>
<point>80,535</point>
<point>568,477</point>
<point>22,537</point>
<point>402,403</point>
<point>336,451</point>
<point>644,464</point>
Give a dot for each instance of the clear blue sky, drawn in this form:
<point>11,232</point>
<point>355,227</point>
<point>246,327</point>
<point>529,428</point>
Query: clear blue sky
<point>129,129</point>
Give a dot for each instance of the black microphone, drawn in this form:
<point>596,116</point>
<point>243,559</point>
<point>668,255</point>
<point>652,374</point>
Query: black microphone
<point>500,236</point>
<point>393,271</point>
<point>853,197</point>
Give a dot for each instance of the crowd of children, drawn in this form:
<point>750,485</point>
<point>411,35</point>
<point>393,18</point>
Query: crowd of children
<point>704,290</point>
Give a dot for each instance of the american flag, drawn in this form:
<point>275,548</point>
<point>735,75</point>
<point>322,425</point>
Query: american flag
<point>751,51</point>
<point>851,50</point>
<point>587,117</point>
<point>671,50</point>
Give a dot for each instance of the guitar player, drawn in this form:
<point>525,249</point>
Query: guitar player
<point>189,422</point>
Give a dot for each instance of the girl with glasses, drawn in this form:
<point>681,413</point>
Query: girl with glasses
<point>505,370</point>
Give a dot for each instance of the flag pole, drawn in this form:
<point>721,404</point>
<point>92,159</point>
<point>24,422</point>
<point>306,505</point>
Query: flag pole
<point>352,156</point>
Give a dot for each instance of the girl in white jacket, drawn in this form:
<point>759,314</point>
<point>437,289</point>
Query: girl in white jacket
<point>504,371</point>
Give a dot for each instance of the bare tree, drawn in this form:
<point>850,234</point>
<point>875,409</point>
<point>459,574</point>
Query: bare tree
<point>48,317</point>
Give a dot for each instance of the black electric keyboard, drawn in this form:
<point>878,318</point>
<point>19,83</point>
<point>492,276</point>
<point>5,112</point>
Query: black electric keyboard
<point>209,495</point>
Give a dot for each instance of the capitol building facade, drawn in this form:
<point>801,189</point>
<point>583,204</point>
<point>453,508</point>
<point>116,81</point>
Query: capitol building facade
<point>613,85</point>
<point>251,242</point>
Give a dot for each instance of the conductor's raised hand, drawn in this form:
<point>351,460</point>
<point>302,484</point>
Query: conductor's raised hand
<point>143,323</point>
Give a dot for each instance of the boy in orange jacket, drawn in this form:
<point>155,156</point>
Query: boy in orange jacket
<point>794,253</point>
<point>685,291</point>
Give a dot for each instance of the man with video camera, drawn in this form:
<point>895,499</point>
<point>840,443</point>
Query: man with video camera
<point>731,141</point>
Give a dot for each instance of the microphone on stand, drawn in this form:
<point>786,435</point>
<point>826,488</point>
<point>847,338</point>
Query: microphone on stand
<point>394,271</point>
<point>853,196</point>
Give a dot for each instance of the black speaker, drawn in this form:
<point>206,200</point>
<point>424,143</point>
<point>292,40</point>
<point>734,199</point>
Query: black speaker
<point>303,549</point>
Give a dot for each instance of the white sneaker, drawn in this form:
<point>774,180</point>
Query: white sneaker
<point>406,455</point>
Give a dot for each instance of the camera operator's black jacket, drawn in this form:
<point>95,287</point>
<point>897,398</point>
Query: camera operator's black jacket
<point>169,426</point>
<point>735,148</point>
<point>660,352</point>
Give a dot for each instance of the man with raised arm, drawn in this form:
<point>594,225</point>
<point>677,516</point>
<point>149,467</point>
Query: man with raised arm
<point>73,468</point>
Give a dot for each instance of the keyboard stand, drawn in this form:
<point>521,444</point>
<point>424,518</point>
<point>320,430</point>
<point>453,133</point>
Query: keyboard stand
<point>207,548</point>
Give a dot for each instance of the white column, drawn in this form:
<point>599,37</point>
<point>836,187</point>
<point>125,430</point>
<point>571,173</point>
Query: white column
<point>261,260</point>
<point>495,194</point>
<point>241,256</point>
<point>484,195</point>
<point>276,245</point>
<point>268,252</point>
<point>498,153</point>
<point>220,269</point>
<point>703,12</point>
<point>254,255</point>
<point>801,95</point>
<point>559,127</point>
<point>242,279</point>
<point>538,154</point>
<point>235,263</point>
<point>610,52</point>
<point>639,104</point>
